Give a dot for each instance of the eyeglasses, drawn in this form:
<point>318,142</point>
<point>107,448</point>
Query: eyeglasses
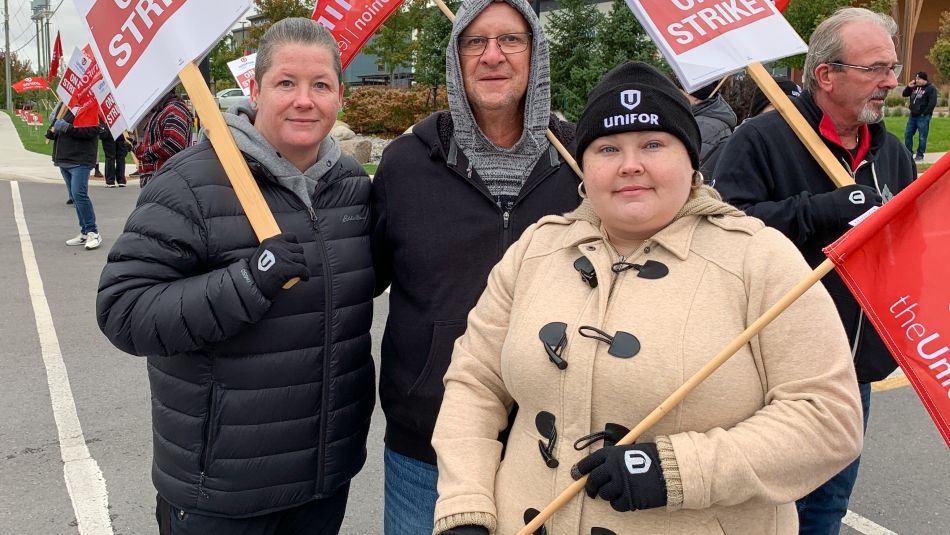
<point>877,70</point>
<point>509,43</point>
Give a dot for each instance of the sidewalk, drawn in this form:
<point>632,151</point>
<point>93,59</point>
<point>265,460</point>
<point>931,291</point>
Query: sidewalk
<point>17,163</point>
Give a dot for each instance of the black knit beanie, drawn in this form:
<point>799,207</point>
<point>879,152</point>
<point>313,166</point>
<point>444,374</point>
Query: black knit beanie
<point>760,101</point>
<point>635,97</point>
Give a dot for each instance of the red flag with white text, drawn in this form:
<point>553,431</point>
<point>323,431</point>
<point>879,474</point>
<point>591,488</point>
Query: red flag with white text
<point>353,22</point>
<point>57,55</point>
<point>895,263</point>
<point>31,83</point>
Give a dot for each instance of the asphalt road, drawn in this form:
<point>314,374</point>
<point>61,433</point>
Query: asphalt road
<point>903,487</point>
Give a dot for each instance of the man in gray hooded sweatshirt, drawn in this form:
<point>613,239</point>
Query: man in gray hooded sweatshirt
<point>448,199</point>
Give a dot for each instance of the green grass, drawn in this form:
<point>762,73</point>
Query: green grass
<point>938,139</point>
<point>370,168</point>
<point>34,139</point>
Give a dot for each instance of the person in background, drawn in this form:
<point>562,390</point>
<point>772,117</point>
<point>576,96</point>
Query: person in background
<point>448,199</point>
<point>850,67</point>
<point>716,122</point>
<point>115,151</point>
<point>74,151</point>
<point>261,394</point>
<point>922,97</point>
<point>167,131</point>
<point>592,319</point>
<point>760,103</point>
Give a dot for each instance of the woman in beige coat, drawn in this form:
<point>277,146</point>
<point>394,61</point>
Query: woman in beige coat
<point>592,319</point>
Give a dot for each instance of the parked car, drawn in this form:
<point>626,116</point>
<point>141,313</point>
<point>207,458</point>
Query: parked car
<point>229,97</point>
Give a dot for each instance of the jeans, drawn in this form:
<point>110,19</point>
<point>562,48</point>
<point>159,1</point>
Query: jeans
<point>920,124</point>
<point>77,182</point>
<point>410,495</point>
<point>317,517</point>
<point>820,512</point>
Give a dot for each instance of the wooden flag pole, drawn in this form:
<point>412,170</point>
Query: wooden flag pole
<point>562,150</point>
<point>802,129</point>
<point>245,187</point>
<point>680,393</point>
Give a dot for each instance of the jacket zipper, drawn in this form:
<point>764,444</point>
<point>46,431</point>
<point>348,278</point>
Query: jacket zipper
<point>327,352</point>
<point>209,436</point>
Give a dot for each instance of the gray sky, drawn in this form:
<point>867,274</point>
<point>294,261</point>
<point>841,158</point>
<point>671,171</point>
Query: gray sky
<point>66,21</point>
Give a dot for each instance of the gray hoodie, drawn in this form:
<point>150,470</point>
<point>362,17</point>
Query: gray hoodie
<point>503,170</point>
<point>251,142</point>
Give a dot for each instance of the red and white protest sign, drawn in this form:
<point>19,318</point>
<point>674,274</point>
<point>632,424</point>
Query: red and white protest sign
<point>704,40</point>
<point>82,72</point>
<point>243,71</point>
<point>32,83</point>
<point>142,45</point>
<point>109,109</point>
<point>895,263</point>
<point>34,119</point>
<point>352,22</point>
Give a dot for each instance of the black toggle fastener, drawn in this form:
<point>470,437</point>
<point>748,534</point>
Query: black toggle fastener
<point>544,421</point>
<point>586,269</point>
<point>651,269</point>
<point>623,345</point>
<point>554,337</point>
<point>529,515</point>
<point>611,434</point>
<point>601,531</point>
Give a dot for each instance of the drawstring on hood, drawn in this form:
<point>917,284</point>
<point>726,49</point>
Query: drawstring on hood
<point>241,121</point>
<point>503,170</point>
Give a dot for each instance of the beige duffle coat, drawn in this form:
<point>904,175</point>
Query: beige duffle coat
<point>773,423</point>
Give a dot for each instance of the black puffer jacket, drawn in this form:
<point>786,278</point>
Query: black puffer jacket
<point>767,172</point>
<point>257,405</point>
<point>437,232</point>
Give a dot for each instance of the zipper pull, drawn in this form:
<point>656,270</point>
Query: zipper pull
<point>313,215</point>
<point>506,217</point>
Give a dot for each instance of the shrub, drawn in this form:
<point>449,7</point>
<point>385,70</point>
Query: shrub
<point>894,101</point>
<point>386,110</point>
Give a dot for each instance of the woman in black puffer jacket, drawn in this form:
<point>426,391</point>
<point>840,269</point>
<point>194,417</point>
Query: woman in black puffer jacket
<point>261,397</point>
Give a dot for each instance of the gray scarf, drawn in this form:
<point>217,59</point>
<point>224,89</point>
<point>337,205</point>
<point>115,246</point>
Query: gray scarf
<point>503,170</point>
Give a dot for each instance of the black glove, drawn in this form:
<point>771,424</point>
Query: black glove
<point>466,530</point>
<point>629,477</point>
<point>278,259</point>
<point>835,209</point>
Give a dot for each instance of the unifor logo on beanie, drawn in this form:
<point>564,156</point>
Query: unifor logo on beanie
<point>630,98</point>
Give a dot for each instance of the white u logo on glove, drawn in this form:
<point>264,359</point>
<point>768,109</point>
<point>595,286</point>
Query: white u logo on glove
<point>637,462</point>
<point>266,261</point>
<point>857,197</point>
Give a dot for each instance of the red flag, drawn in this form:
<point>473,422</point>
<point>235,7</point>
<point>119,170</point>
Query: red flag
<point>781,5</point>
<point>352,22</point>
<point>32,83</point>
<point>54,62</point>
<point>895,264</point>
<point>88,112</point>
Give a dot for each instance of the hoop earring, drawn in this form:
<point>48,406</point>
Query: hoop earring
<point>697,179</point>
<point>581,190</point>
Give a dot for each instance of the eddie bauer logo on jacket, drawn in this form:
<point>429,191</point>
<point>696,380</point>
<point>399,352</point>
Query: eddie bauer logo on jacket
<point>353,217</point>
<point>266,261</point>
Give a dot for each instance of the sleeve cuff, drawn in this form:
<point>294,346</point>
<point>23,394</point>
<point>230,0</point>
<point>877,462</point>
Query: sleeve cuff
<point>465,519</point>
<point>671,472</point>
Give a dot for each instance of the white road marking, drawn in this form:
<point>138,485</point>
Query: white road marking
<point>863,525</point>
<point>84,481</point>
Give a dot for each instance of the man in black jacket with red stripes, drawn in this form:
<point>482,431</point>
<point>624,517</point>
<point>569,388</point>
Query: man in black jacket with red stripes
<point>766,171</point>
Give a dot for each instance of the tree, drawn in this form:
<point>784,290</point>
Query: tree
<point>575,68</point>
<point>621,38</point>
<point>221,54</point>
<point>19,70</point>
<point>430,49</point>
<point>393,43</point>
<point>804,18</point>
<point>940,53</point>
<point>273,11</point>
